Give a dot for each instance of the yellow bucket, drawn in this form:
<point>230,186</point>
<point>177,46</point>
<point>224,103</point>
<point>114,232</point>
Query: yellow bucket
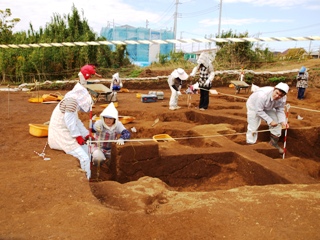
<point>163,138</point>
<point>38,130</point>
<point>126,119</point>
<point>36,100</point>
<point>51,97</point>
<point>138,95</point>
<point>125,90</point>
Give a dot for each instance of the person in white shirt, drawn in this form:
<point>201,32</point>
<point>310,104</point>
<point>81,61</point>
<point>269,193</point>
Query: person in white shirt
<point>66,131</point>
<point>175,82</point>
<point>267,103</point>
<point>115,86</point>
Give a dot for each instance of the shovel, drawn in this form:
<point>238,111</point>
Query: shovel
<point>155,122</point>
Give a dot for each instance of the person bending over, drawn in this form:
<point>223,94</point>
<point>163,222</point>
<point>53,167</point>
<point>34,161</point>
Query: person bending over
<point>267,103</point>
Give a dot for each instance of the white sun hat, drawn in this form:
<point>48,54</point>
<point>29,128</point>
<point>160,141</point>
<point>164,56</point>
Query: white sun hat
<point>180,73</point>
<point>116,76</point>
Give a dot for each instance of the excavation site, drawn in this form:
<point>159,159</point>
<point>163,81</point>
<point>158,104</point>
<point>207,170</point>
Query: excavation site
<point>183,173</point>
<point>192,150</point>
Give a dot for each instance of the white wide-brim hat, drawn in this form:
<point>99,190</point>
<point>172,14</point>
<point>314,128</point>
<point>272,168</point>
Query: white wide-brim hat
<point>180,73</point>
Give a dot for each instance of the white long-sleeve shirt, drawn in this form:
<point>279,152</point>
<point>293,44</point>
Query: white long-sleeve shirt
<point>65,124</point>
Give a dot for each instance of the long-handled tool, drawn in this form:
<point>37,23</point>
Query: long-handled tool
<point>8,100</point>
<point>285,134</point>
<point>189,100</point>
<point>90,134</point>
<point>212,91</point>
<point>101,158</point>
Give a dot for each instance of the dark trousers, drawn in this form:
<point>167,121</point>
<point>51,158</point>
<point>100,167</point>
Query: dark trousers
<point>301,93</point>
<point>204,99</point>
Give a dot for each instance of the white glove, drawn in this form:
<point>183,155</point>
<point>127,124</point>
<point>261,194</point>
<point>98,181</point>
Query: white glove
<point>120,141</point>
<point>196,86</point>
<point>98,155</point>
<point>98,126</point>
<point>179,93</point>
<point>207,83</point>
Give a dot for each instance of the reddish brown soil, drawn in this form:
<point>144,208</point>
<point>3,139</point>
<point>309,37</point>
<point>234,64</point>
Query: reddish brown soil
<point>254,194</point>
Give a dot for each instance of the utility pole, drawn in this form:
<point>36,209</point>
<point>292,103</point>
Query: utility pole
<point>175,20</point>
<point>210,42</point>
<point>181,38</point>
<point>114,31</point>
<point>220,7</point>
<point>258,43</point>
<point>175,23</point>
<point>147,25</point>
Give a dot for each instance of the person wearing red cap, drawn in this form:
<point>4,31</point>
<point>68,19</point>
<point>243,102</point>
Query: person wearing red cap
<point>86,72</point>
<point>267,103</point>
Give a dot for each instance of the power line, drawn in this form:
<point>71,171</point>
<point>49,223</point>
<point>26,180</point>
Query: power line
<point>171,6</point>
<point>200,12</point>
<point>293,29</point>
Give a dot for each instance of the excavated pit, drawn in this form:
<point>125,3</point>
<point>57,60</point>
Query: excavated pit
<point>215,156</point>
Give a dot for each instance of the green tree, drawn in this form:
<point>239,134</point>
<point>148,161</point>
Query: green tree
<point>27,64</point>
<point>6,26</point>
<point>6,36</point>
<point>235,54</point>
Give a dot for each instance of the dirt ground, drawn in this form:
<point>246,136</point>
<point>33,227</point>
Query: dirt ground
<point>254,194</point>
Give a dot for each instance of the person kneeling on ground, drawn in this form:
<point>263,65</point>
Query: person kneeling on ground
<point>107,129</point>
<point>267,103</point>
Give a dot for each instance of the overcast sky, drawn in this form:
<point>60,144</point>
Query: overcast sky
<point>196,18</point>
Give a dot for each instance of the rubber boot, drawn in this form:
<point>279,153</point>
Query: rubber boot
<point>274,142</point>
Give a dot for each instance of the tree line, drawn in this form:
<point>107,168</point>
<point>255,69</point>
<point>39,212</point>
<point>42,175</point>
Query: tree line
<point>24,65</point>
<point>20,65</point>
